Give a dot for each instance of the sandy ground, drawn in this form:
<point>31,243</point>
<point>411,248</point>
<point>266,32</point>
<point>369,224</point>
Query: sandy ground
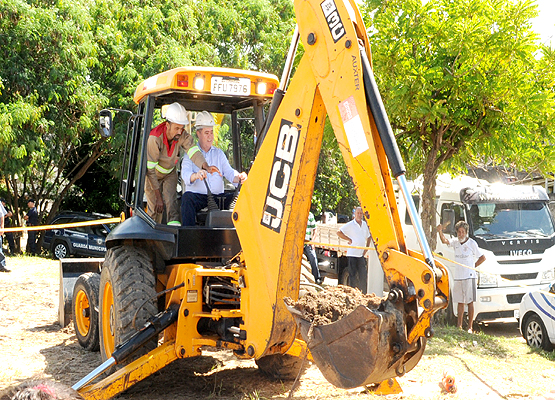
<point>32,344</point>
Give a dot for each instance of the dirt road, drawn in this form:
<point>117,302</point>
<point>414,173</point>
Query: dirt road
<point>32,343</point>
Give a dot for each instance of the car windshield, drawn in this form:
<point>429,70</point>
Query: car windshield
<point>511,220</point>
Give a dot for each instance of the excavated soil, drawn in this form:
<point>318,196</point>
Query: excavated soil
<point>332,304</point>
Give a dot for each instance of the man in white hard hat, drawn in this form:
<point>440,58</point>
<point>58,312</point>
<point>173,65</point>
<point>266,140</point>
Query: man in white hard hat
<point>162,156</point>
<point>195,196</point>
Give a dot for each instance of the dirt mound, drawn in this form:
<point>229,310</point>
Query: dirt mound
<point>332,304</point>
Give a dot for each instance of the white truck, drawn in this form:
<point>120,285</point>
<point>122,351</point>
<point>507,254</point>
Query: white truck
<point>513,226</point>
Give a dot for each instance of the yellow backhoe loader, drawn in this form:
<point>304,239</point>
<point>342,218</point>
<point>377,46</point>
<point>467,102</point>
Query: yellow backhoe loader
<point>166,291</point>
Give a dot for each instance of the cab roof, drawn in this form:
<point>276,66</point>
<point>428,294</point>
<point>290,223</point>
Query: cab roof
<point>208,88</point>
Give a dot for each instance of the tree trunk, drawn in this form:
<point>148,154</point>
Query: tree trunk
<point>429,206</point>
<point>429,188</point>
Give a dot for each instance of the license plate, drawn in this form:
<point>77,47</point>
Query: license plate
<point>231,86</point>
<point>517,314</point>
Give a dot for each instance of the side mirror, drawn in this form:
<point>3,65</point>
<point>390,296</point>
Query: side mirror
<point>448,221</point>
<point>552,287</point>
<point>105,123</point>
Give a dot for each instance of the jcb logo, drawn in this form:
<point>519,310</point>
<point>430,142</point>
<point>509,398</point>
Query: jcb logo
<point>278,187</point>
<point>335,25</point>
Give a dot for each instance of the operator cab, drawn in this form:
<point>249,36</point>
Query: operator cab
<point>236,100</point>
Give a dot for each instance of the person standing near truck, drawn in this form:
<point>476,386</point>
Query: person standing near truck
<point>467,253</point>
<point>163,147</point>
<point>356,233</point>
<point>309,251</point>
<point>8,224</point>
<point>32,219</point>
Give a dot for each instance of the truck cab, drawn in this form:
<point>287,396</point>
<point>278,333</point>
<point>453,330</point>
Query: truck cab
<point>236,99</point>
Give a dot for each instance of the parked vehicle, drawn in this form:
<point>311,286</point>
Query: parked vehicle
<point>85,241</point>
<point>513,226</point>
<point>537,318</point>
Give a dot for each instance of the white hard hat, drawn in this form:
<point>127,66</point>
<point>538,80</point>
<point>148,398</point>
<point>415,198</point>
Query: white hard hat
<point>204,119</point>
<point>177,114</point>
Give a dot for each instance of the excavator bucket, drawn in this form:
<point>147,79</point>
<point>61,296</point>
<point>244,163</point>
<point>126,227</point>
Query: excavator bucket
<point>364,347</point>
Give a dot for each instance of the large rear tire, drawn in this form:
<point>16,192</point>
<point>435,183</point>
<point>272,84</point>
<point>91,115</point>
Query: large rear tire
<point>282,367</point>
<point>127,292</point>
<point>345,278</point>
<point>85,310</point>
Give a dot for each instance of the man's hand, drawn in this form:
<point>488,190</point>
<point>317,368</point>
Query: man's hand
<point>242,177</point>
<point>159,207</point>
<point>201,175</point>
<point>211,168</point>
<point>440,228</point>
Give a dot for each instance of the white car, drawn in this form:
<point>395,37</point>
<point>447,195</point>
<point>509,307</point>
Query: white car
<point>537,318</point>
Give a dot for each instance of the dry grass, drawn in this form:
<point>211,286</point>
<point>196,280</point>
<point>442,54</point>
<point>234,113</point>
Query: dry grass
<point>486,365</point>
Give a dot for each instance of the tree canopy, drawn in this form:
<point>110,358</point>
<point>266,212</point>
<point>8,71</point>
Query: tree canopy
<point>63,62</point>
<point>463,83</point>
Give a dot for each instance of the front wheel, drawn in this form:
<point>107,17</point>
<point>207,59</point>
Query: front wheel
<point>60,250</point>
<point>535,333</point>
<point>127,298</point>
<point>85,310</point>
<point>345,278</point>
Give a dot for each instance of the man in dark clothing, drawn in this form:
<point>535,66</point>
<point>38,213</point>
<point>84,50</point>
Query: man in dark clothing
<point>32,219</point>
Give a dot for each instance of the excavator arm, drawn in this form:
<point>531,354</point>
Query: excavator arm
<point>334,78</point>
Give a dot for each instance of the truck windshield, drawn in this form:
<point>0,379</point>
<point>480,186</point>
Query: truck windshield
<point>511,220</point>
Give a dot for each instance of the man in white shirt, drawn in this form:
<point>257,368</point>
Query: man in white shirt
<point>195,196</point>
<point>356,233</point>
<point>467,253</point>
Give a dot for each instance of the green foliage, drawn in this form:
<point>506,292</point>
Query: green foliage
<point>333,189</point>
<point>62,62</point>
<point>462,85</point>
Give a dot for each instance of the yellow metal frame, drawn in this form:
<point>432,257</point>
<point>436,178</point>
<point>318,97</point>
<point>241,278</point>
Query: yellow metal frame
<point>272,208</point>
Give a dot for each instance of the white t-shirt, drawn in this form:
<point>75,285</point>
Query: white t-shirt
<point>3,211</point>
<point>358,235</point>
<point>466,254</point>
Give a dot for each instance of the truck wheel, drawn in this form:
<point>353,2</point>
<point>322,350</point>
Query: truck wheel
<point>60,250</point>
<point>127,282</point>
<point>345,278</point>
<point>282,367</point>
<point>85,310</point>
<point>535,333</point>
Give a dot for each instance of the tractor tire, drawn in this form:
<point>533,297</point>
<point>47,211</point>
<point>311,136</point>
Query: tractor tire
<point>60,250</point>
<point>127,282</point>
<point>85,310</point>
<point>283,367</point>
<point>345,278</point>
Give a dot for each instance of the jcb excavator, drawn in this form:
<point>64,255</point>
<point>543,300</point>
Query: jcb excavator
<point>223,284</point>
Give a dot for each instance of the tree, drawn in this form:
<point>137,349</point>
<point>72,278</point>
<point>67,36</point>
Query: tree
<point>48,103</point>
<point>334,189</point>
<point>62,62</point>
<point>462,85</point>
